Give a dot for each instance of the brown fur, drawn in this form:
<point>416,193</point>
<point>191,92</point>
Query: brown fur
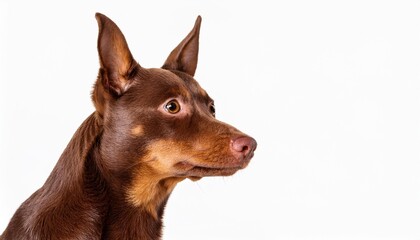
<point>115,176</point>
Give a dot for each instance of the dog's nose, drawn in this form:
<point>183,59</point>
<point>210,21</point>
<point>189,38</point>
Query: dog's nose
<point>243,147</point>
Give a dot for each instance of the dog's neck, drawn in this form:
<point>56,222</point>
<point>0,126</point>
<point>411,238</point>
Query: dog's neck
<point>83,197</point>
<point>125,217</point>
<point>125,221</point>
<point>70,203</point>
<point>122,218</point>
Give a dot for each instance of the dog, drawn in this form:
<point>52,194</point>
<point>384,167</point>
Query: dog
<point>151,129</point>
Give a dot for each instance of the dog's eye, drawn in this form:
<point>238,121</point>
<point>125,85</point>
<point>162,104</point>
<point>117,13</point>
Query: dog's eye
<point>173,107</point>
<point>213,109</point>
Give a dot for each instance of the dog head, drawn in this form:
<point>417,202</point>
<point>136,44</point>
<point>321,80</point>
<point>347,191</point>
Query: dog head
<point>159,124</point>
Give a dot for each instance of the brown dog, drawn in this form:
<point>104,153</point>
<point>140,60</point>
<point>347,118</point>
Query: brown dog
<point>152,128</point>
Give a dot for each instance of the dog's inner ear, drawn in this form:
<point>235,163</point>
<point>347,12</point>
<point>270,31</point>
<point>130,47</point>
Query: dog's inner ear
<point>115,57</point>
<point>184,57</point>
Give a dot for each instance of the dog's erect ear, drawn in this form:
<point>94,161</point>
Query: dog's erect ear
<point>116,60</point>
<point>184,56</point>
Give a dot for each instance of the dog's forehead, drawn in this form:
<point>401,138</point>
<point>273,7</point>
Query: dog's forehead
<point>164,75</point>
<point>193,86</point>
<point>183,83</point>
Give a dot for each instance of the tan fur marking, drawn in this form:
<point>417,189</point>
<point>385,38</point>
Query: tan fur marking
<point>137,131</point>
<point>155,180</point>
<point>150,189</point>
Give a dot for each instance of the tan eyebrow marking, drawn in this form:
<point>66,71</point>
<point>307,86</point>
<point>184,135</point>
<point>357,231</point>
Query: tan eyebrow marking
<point>137,130</point>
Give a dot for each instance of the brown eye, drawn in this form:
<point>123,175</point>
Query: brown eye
<point>172,107</point>
<point>213,109</point>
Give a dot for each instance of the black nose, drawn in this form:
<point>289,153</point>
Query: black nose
<point>243,147</point>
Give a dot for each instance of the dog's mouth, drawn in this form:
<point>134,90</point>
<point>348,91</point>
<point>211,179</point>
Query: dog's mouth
<point>197,171</point>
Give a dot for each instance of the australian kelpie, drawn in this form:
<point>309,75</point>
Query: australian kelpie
<point>152,128</point>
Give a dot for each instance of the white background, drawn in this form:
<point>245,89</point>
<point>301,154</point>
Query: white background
<point>330,90</point>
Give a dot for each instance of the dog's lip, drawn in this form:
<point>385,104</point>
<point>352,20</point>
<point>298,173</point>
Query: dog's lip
<point>200,170</point>
<point>188,165</point>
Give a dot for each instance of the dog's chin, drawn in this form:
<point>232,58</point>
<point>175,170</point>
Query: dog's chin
<point>194,179</point>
